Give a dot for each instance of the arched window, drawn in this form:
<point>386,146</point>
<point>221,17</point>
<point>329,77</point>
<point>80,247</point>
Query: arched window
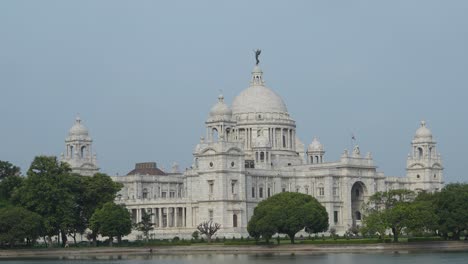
<point>262,156</point>
<point>420,153</point>
<point>316,159</point>
<point>228,133</point>
<point>358,215</point>
<point>83,151</point>
<point>214,134</point>
<point>234,220</point>
<point>71,152</point>
<point>284,141</point>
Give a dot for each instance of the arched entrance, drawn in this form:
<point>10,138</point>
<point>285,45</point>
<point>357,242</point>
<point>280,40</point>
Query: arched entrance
<point>358,192</point>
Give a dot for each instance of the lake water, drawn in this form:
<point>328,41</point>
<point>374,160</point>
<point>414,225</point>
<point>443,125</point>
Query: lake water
<point>325,258</point>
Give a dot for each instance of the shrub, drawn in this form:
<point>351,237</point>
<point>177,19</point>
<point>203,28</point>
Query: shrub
<point>195,235</point>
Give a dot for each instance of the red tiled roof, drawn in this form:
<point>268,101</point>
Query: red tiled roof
<point>146,168</point>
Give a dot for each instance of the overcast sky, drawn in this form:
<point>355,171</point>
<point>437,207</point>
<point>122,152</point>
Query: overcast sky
<point>143,75</point>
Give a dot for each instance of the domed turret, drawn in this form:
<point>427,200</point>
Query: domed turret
<point>423,133</point>
<point>424,164</point>
<point>315,152</point>
<point>220,110</point>
<point>315,145</point>
<point>78,129</point>
<point>79,154</point>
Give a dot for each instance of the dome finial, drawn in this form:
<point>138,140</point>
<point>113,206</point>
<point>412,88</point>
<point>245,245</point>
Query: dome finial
<point>423,123</point>
<point>78,119</point>
<point>221,96</point>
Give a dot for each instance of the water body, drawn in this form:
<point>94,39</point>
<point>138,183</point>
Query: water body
<point>325,258</point>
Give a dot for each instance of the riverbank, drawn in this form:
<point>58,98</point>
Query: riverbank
<point>222,249</point>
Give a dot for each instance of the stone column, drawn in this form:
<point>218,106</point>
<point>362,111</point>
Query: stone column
<point>160,214</point>
<point>281,139</point>
<point>274,138</point>
<point>176,215</point>
<point>184,220</point>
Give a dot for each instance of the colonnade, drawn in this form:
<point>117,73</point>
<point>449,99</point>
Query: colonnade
<point>279,138</point>
<point>163,217</point>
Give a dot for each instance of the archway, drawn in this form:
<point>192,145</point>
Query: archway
<point>214,135</point>
<point>358,192</point>
<point>234,220</point>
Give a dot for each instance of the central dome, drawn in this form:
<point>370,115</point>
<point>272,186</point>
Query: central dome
<point>258,98</point>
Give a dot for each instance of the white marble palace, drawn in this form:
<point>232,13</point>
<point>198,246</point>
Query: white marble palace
<point>251,152</point>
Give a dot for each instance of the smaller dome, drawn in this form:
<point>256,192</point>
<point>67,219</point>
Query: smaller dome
<point>315,145</point>
<point>78,129</point>
<point>221,109</point>
<point>423,132</point>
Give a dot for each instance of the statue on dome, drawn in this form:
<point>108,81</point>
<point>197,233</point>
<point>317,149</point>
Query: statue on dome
<point>257,54</point>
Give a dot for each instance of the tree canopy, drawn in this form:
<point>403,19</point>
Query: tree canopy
<point>18,224</point>
<point>111,220</point>
<point>450,205</point>
<point>397,210</point>
<point>287,213</point>
<point>7,169</point>
<point>47,192</point>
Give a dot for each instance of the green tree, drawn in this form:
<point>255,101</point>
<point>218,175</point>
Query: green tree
<point>8,186</point>
<point>96,191</point>
<point>452,210</point>
<point>47,191</point>
<point>393,209</point>
<point>7,169</point>
<point>145,225</point>
<point>112,220</point>
<point>18,224</point>
<point>288,213</point>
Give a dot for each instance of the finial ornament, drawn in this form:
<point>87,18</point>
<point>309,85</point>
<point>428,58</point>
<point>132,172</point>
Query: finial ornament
<point>423,123</point>
<point>257,54</point>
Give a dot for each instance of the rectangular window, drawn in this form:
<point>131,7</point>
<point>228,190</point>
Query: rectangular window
<point>335,217</point>
<point>307,190</point>
<point>283,190</point>
<point>211,186</point>
<point>321,191</point>
<point>335,191</point>
<point>210,214</point>
<point>163,194</point>
<point>269,191</point>
<point>260,192</point>
<point>233,187</point>
<point>172,194</point>
<point>253,192</point>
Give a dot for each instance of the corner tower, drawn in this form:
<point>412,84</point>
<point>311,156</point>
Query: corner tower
<point>79,153</point>
<point>424,164</point>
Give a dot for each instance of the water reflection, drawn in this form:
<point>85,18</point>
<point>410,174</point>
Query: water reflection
<point>382,257</point>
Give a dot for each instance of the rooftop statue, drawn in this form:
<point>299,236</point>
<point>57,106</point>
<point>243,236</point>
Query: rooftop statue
<point>257,54</point>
